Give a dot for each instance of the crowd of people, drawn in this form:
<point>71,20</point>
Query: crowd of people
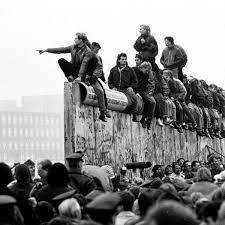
<point>183,192</point>
<point>181,101</point>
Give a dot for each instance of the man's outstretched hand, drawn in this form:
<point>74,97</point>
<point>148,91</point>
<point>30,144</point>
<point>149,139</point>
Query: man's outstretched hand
<point>41,51</point>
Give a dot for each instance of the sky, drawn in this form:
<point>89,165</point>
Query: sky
<point>28,25</point>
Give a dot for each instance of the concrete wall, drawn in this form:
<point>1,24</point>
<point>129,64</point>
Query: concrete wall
<point>120,140</point>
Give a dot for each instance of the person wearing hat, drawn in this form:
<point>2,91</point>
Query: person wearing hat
<point>79,181</point>
<point>147,46</point>
<point>103,208</point>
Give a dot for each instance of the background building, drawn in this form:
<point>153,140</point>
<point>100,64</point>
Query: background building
<point>34,130</point>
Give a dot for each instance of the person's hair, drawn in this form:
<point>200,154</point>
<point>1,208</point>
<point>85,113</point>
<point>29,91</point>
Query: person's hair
<point>170,212</point>
<point>210,210</point>
<point>139,56</point>
<point>127,200</point>
<point>175,164</point>
<point>135,190</point>
<point>70,208</point>
<point>147,199</point>
<point>204,174</point>
<point>204,84</point>
<point>5,175</point>
<point>60,221</point>
<point>193,164</point>
<point>180,159</point>
<point>218,194</point>
<point>82,36</point>
<point>58,175</point>
<point>166,173</point>
<point>195,196</point>
<point>45,164</point>
<point>156,167</point>
<point>146,64</point>
<point>119,56</point>
<point>170,39</point>
<point>147,28</point>
<point>96,44</point>
<point>22,174</point>
<point>44,211</point>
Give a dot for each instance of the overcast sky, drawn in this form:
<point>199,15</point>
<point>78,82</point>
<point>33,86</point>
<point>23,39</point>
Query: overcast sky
<point>27,25</point>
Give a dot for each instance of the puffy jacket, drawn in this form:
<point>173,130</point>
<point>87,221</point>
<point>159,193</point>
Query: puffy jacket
<point>149,49</point>
<point>161,85</point>
<point>80,57</point>
<point>122,78</point>
<point>183,53</point>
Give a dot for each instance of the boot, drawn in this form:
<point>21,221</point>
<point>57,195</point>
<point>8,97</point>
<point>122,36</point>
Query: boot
<point>135,118</point>
<point>149,122</point>
<point>70,78</point>
<point>102,117</point>
<point>143,122</point>
<point>159,122</point>
<point>166,120</point>
<point>107,114</point>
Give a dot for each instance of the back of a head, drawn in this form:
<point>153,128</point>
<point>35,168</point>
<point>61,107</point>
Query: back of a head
<point>204,174</point>
<point>147,199</point>
<point>210,210</point>
<point>127,200</point>
<point>58,175</point>
<point>5,175</point>
<point>218,194</point>
<point>135,190</point>
<point>45,164</point>
<point>70,208</point>
<point>44,211</point>
<point>171,213</point>
<point>60,221</point>
<point>22,174</point>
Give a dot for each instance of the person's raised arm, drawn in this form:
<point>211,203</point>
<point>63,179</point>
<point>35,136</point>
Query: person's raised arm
<point>56,50</point>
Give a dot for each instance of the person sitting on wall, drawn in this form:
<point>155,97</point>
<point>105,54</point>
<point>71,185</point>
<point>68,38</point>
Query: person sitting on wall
<point>146,90</point>
<point>147,46</point>
<point>178,93</point>
<point>123,78</point>
<point>84,66</point>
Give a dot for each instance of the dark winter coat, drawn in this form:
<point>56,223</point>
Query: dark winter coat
<point>177,89</point>
<point>122,78</point>
<point>149,49</point>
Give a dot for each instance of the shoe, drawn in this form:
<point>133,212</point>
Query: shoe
<point>159,122</point>
<point>207,133</point>
<point>166,120</point>
<point>143,123</point>
<point>148,122</point>
<point>185,126</point>
<point>135,118</point>
<point>70,78</point>
<point>102,117</point>
<point>180,130</point>
<point>107,114</point>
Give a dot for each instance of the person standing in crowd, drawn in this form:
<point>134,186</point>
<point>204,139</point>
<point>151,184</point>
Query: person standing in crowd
<point>146,90</point>
<point>171,57</point>
<point>84,66</point>
<point>79,181</point>
<point>43,168</point>
<point>147,46</point>
<point>123,78</point>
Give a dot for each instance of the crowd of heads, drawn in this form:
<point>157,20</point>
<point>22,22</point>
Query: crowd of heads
<point>183,192</point>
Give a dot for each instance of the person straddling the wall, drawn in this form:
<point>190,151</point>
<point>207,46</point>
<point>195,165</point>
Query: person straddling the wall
<point>123,78</point>
<point>84,66</point>
<point>147,46</point>
<point>172,58</point>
